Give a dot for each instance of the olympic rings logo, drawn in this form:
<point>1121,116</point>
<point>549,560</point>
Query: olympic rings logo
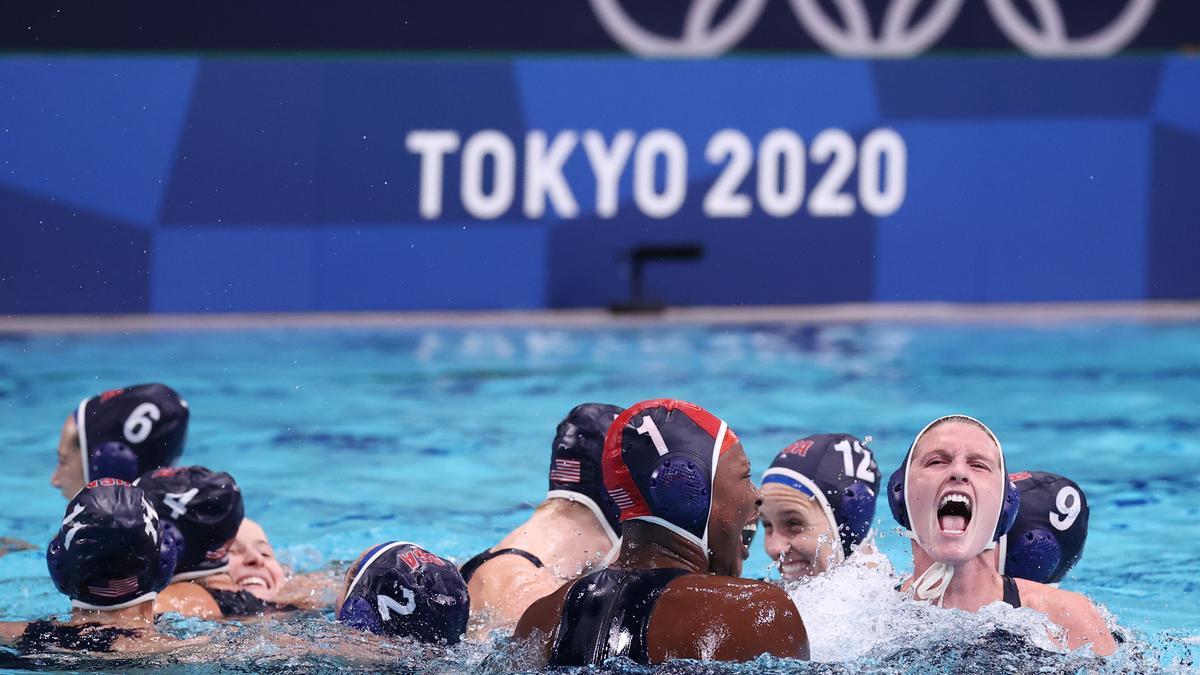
<point>853,36</point>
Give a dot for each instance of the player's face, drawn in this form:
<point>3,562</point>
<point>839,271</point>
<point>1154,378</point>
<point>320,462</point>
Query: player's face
<point>797,534</point>
<point>252,563</point>
<point>733,506</point>
<point>954,488</point>
<point>68,472</point>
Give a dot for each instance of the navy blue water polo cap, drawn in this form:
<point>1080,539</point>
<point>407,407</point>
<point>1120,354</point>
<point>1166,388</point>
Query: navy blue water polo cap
<point>204,508</point>
<point>575,463</point>
<point>123,433</point>
<point>1048,536</point>
<point>108,554</point>
<point>837,470</point>
<point>401,589</point>
<point>660,457</point>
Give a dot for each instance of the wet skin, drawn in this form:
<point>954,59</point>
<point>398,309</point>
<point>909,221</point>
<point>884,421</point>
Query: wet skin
<point>708,614</point>
<point>797,535</point>
<point>955,458</point>
<point>252,563</point>
<point>68,472</point>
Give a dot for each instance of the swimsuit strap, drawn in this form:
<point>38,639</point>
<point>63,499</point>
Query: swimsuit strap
<point>244,603</point>
<point>468,568</point>
<point>1012,594</point>
<point>607,613</point>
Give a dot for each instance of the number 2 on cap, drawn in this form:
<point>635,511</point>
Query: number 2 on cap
<point>651,429</point>
<point>387,604</point>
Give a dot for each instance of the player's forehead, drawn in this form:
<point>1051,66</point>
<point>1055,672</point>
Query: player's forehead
<point>954,438</point>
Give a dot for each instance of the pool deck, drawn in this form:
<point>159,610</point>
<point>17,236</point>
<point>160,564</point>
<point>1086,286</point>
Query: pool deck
<point>1040,313</point>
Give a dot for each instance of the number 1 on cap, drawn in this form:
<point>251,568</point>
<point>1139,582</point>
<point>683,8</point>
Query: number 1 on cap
<point>649,428</point>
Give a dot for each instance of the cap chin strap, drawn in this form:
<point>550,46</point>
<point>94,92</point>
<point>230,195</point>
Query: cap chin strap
<point>805,484</point>
<point>80,425</point>
<point>199,574</point>
<point>1003,546</point>
<point>933,582</point>
<point>145,597</point>
<point>591,505</point>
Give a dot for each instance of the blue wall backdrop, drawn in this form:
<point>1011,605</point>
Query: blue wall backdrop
<point>166,184</point>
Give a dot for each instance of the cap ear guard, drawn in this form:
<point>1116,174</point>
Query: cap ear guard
<point>1035,555</point>
<point>680,492</point>
<point>170,550</point>
<point>112,460</point>
<point>357,612</point>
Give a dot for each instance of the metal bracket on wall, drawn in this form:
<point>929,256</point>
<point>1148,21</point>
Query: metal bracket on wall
<point>639,256</point>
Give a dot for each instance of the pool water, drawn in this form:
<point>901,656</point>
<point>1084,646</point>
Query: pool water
<point>345,438</point>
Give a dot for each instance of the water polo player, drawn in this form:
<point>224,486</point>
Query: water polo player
<point>817,503</point>
<point>201,511</point>
<point>400,589</point>
<point>256,582</point>
<point>122,433</point>
<point>1047,538</point>
<point>953,495</point>
<point>682,482</point>
<point>569,534</point>
<point>109,558</point>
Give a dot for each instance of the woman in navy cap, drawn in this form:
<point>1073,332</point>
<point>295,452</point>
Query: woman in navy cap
<point>817,503</point>
<point>110,558</point>
<point>122,433</point>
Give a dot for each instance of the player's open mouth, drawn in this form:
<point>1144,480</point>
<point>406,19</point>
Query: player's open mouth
<point>954,513</point>
<point>252,580</point>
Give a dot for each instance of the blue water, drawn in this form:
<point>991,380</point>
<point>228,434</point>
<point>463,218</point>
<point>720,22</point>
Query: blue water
<point>345,438</point>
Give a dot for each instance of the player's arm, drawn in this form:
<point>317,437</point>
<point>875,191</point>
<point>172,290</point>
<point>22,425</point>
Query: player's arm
<point>769,623</point>
<point>1081,620</point>
<point>188,599</point>
<point>11,631</point>
<point>538,624</point>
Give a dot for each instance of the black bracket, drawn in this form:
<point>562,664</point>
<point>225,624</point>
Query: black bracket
<point>638,257</point>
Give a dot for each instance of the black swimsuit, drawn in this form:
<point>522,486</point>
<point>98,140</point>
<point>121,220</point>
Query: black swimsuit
<point>245,603</point>
<point>606,614</point>
<point>468,568</point>
<point>42,635</point>
<point>1012,594</point>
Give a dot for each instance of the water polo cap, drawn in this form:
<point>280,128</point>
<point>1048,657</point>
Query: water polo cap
<point>403,590</point>
<point>205,507</point>
<point>108,554</point>
<point>660,458</point>
<point>840,473</point>
<point>1051,529</point>
<point>575,471</point>
<point>124,433</point>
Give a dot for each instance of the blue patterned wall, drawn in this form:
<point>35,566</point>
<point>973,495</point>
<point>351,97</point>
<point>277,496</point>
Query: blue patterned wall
<point>292,184</point>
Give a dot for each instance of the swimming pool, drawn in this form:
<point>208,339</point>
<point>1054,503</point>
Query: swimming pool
<point>345,437</point>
